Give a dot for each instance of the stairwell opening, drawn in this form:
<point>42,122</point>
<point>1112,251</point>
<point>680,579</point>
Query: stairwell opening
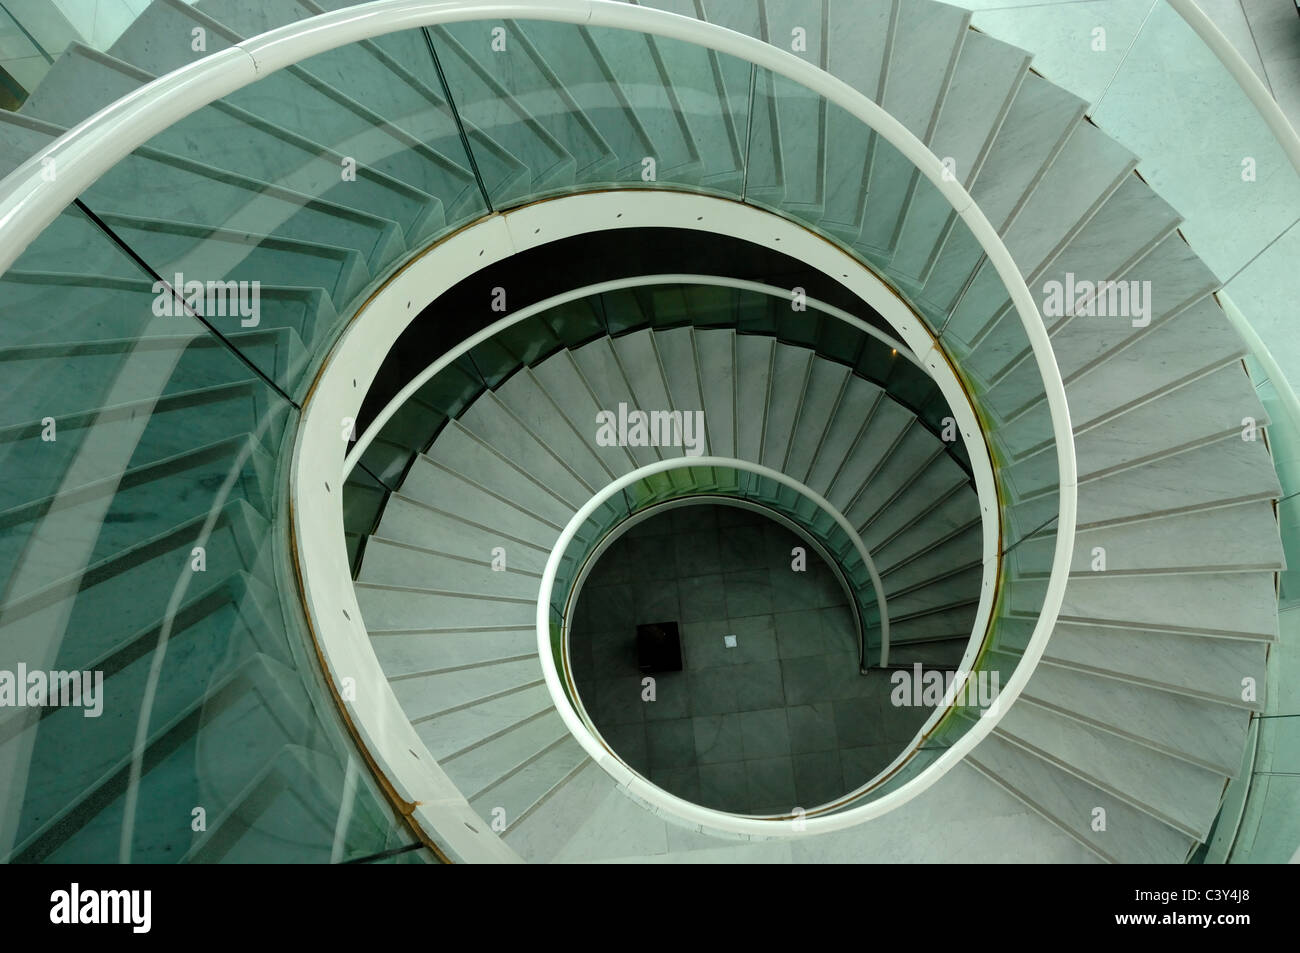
<point>769,710</point>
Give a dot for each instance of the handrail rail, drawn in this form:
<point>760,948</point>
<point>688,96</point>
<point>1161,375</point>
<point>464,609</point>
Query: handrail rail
<point>31,198</point>
<point>577,294</point>
<point>1291,407</point>
<point>582,730</point>
<point>1259,350</point>
<point>1250,84</point>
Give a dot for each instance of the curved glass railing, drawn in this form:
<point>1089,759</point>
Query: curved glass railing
<point>411,430</point>
<point>1159,89</point>
<point>843,550</point>
<point>161,341</point>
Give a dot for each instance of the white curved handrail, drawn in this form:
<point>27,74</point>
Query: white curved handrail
<point>30,199</point>
<point>1250,83</point>
<point>733,463</point>
<point>574,719</point>
<point>577,294</point>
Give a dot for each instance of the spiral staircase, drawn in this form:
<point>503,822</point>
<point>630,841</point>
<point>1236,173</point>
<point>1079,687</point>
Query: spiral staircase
<point>146,454</point>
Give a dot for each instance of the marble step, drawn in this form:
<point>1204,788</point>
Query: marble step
<point>1216,669</point>
<point>212,750</point>
<point>888,426</point>
<point>716,360</point>
<point>225,136</point>
<point>525,399</point>
<point>761,137</point>
<point>676,356</point>
<point>218,627</point>
<point>984,84</point>
<point>409,521</point>
<point>573,56</point>
<point>115,351</point>
<point>1236,538</point>
<point>188,190</point>
<point>1201,732</point>
<point>636,64</point>
<point>297,100</point>
<point>902,489</point>
<point>858,39</point>
<point>1036,127</point>
<point>822,395</point>
<point>401,564</point>
<point>1072,804</point>
<point>940,478</point>
<point>603,375</point>
<point>392,608</point>
<point>908,455</point>
<point>957,587</point>
<point>464,728</point>
<point>707,84</point>
<point>1131,221</point>
<point>125,509</point>
<point>560,378</point>
<point>946,519</point>
<point>1079,180</point>
<point>926,42</point>
<point>1182,795</point>
<point>487,455</point>
<point>475,770</point>
<point>1234,605</point>
<point>959,551</point>
<point>791,370</point>
<point>517,795</point>
<point>754,362</point>
<point>1206,410</point>
<point>403,91</point>
<point>426,696</point>
<point>801,116</point>
<point>34,468</point>
<point>1228,472</point>
<point>952,624</point>
<point>407,653</point>
<point>524,107</point>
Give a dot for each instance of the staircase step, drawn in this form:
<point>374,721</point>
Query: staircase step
<point>425,696</point>
<point>984,83</point>
<point>408,521</point>
<point>857,52</point>
<point>569,392</point>
<point>754,358</point>
<point>410,653</point>
<point>462,729</point>
<point>1211,668</point>
<point>1070,802</point>
<point>926,42</point>
<point>225,136</point>
<point>1038,123</point>
<point>400,564</point>
<point>514,797</point>
<point>715,358</point>
<point>463,467</point>
<point>491,761</point>
<point>1180,794</point>
<point>791,368</point>
<point>1202,732</point>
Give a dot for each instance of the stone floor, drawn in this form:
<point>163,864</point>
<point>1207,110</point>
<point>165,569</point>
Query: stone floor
<point>784,718</point>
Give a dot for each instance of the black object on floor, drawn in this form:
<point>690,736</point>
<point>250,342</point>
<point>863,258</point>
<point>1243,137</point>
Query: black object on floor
<point>658,647</point>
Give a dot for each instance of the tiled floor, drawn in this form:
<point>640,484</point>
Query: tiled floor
<point>781,720</point>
